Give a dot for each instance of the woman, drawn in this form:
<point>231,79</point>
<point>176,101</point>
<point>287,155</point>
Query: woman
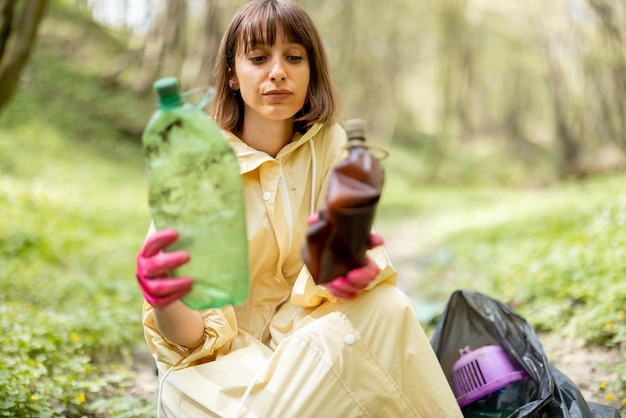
<point>351,348</point>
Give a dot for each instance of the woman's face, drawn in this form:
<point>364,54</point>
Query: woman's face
<point>273,80</point>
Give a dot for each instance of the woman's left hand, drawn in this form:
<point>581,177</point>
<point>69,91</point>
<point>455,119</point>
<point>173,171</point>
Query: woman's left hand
<point>349,286</point>
<point>353,283</point>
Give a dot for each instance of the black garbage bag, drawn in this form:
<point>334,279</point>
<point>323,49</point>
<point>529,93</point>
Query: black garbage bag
<point>474,319</point>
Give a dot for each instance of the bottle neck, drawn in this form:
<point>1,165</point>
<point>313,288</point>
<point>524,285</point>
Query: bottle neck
<point>356,142</point>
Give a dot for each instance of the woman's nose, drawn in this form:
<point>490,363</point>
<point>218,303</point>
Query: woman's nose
<point>277,72</point>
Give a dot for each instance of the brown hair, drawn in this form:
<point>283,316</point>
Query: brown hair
<point>257,23</point>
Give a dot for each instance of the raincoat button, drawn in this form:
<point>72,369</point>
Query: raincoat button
<point>349,339</point>
<point>266,196</point>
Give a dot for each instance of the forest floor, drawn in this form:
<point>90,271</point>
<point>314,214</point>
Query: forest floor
<point>585,365</point>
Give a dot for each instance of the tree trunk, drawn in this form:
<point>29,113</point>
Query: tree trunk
<point>16,43</point>
<point>456,61</point>
<point>210,43</point>
<point>164,50</point>
<point>151,57</point>
<point>569,144</point>
<point>174,37</point>
<point>6,18</point>
<point>609,75</point>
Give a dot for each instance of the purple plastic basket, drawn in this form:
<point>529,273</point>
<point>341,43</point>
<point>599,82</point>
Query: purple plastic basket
<point>482,372</point>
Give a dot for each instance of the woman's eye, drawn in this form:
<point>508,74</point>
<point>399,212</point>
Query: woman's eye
<point>294,58</point>
<point>257,59</point>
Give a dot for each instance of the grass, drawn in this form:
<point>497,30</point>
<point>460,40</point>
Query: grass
<point>73,213</point>
<point>555,253</point>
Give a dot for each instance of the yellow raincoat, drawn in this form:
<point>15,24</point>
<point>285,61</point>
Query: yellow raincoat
<point>293,349</point>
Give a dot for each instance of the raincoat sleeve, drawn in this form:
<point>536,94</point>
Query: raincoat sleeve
<point>220,328</point>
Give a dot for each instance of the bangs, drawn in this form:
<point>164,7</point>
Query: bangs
<point>263,25</point>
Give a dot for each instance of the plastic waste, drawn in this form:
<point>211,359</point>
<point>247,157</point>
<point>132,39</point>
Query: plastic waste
<point>195,187</point>
<point>476,320</point>
<point>338,242</point>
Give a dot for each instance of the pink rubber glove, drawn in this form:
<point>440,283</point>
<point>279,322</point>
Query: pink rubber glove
<point>353,283</point>
<point>154,265</point>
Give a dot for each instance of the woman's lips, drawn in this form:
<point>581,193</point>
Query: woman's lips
<point>277,94</point>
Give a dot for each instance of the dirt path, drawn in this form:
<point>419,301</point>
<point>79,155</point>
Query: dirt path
<point>146,384</point>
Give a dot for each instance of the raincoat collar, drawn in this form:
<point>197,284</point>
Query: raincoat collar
<point>250,158</point>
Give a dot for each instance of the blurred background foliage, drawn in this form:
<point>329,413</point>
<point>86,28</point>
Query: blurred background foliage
<point>541,83</point>
<point>505,122</point>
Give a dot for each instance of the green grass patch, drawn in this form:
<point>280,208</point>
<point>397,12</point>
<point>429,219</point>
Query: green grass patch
<point>555,253</point>
<point>73,213</point>
<point>71,220</point>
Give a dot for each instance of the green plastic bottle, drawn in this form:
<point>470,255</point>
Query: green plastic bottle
<point>195,187</point>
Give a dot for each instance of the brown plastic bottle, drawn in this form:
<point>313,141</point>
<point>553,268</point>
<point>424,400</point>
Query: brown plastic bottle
<point>338,242</point>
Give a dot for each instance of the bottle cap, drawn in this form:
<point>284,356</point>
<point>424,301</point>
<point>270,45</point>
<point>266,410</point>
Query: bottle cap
<point>169,93</point>
<point>355,128</point>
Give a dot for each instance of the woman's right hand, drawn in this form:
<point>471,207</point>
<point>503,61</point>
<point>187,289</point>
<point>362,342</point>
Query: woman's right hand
<point>154,265</point>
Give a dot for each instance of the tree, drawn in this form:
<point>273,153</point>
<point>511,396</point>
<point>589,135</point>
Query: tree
<point>165,46</point>
<point>18,30</point>
<point>370,47</point>
<point>201,58</point>
<point>606,70</point>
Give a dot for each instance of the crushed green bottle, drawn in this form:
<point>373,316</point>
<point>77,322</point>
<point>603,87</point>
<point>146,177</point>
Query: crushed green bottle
<point>195,187</point>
